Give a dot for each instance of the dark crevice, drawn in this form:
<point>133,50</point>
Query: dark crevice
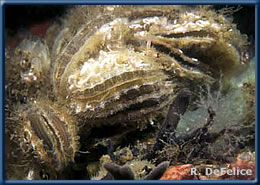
<point>188,34</point>
<point>106,131</point>
<point>167,51</point>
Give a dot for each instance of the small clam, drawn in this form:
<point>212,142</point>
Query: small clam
<point>47,132</point>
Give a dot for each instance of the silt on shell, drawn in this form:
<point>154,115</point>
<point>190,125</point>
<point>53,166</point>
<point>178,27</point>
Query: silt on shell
<point>128,62</point>
<point>46,135</point>
<point>113,65</point>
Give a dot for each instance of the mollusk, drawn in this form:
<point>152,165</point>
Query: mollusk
<point>49,133</point>
<point>121,66</point>
<point>112,65</point>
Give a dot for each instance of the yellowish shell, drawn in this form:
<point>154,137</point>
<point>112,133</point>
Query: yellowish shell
<point>112,65</point>
<point>49,133</point>
<point>121,66</point>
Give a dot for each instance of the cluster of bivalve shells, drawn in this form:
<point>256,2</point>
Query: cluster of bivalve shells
<point>108,65</point>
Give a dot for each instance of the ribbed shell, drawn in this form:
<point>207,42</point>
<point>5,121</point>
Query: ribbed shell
<point>50,133</point>
<point>124,63</point>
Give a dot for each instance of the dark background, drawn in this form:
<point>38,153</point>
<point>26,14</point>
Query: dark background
<point>19,18</point>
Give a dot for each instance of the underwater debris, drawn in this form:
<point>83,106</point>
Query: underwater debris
<point>117,172</point>
<point>168,129</point>
<point>167,134</point>
<point>242,169</point>
<point>181,172</point>
<point>158,171</point>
